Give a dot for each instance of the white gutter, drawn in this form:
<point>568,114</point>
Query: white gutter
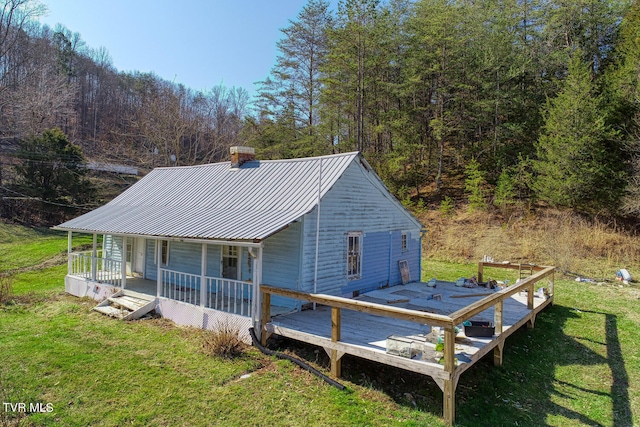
<point>174,239</point>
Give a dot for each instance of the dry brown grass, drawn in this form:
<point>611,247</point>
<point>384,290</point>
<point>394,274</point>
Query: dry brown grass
<point>224,341</point>
<point>6,288</point>
<point>572,243</point>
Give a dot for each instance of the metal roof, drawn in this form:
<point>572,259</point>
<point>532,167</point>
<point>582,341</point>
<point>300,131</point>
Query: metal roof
<point>216,201</point>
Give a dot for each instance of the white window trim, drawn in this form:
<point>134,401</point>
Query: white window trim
<point>404,242</point>
<point>358,274</point>
<point>232,252</point>
<point>155,258</point>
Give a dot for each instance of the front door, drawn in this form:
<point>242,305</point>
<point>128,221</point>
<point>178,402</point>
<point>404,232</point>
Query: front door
<point>230,262</point>
<point>138,258</point>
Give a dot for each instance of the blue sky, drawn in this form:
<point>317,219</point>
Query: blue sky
<point>199,43</point>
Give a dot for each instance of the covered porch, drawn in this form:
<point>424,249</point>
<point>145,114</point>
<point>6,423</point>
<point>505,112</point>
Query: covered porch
<point>194,282</point>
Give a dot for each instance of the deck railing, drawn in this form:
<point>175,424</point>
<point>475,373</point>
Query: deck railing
<point>447,322</point>
<point>98,268</point>
<point>231,296</point>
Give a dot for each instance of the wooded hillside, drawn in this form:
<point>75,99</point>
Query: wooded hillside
<point>524,100</point>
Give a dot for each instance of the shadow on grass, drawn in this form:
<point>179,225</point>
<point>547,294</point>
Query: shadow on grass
<point>550,374</point>
<point>527,389</point>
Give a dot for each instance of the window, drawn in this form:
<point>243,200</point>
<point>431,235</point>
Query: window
<point>354,255</point>
<point>404,242</point>
<point>164,256</point>
<point>129,251</point>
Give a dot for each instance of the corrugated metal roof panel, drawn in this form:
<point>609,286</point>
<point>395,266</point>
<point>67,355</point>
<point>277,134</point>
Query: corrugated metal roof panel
<point>215,201</point>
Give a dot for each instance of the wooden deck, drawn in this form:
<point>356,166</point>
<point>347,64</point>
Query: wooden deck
<point>413,312</point>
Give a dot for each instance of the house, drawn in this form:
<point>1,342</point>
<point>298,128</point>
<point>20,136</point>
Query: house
<point>197,239</point>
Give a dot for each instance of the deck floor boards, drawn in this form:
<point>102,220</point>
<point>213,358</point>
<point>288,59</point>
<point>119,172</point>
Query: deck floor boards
<point>367,332</point>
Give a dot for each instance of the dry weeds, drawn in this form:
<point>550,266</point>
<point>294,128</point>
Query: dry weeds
<point>572,243</point>
<point>6,288</point>
<point>224,341</point>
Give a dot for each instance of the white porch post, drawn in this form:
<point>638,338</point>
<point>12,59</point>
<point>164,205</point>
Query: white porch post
<point>159,270</point>
<point>124,262</point>
<point>203,274</point>
<point>69,250</point>
<point>94,258</point>
<point>257,295</point>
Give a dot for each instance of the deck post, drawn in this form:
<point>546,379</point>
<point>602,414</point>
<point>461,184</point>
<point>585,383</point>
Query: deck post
<point>497,316</point>
<point>336,359</point>
<point>480,271</point>
<point>203,275</point>
<point>69,250</point>
<point>124,262</point>
<point>266,315</point>
<point>530,295</point>
<point>497,353</point>
<point>449,392</point>
<point>159,270</point>
<point>94,258</point>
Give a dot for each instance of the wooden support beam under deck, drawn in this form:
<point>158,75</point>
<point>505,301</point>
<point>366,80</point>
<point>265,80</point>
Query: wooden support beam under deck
<point>336,358</point>
<point>265,318</point>
<point>449,392</point>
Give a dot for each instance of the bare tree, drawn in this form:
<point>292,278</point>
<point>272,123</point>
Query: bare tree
<point>16,16</point>
<point>43,101</point>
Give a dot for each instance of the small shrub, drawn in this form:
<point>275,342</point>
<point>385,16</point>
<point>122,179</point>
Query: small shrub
<point>446,206</point>
<point>224,341</point>
<point>6,288</point>
<point>474,186</point>
<point>505,193</point>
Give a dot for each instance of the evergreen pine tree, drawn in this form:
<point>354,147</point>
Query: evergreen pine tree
<point>578,162</point>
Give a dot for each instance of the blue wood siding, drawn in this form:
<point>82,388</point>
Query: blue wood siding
<point>150,268</point>
<point>281,262</point>
<point>113,247</point>
<point>246,265</point>
<point>183,256</point>
<point>357,203</point>
<point>186,257</point>
<point>214,261</point>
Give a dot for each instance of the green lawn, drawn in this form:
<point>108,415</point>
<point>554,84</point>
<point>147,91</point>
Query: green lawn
<point>22,247</point>
<point>579,366</point>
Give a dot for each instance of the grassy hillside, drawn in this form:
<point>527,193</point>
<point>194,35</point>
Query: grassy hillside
<point>572,243</point>
<point>578,366</point>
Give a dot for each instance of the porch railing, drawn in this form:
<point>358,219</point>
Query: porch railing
<point>181,286</point>
<point>99,269</point>
<point>231,296</point>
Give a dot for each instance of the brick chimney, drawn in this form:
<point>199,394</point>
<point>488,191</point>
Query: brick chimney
<point>240,155</point>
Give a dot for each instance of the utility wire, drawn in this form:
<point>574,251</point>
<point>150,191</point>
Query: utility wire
<point>25,196</point>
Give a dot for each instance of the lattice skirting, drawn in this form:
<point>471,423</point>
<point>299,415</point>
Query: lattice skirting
<point>200,317</point>
<point>85,288</point>
<point>181,313</point>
